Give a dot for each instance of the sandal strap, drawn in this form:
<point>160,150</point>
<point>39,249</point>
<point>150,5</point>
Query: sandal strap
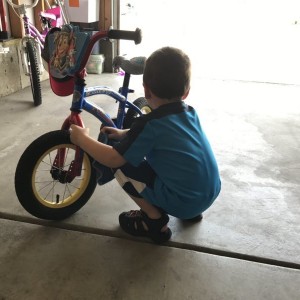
<point>155,224</point>
<point>133,222</point>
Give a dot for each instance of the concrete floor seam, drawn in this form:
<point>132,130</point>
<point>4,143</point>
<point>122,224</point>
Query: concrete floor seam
<point>178,245</point>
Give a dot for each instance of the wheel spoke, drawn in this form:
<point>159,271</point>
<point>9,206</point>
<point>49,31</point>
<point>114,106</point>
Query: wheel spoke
<point>50,190</point>
<point>40,186</point>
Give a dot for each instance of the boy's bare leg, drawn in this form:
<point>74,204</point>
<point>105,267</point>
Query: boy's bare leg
<point>151,211</point>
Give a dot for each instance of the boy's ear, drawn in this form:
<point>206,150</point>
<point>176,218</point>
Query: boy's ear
<point>185,94</point>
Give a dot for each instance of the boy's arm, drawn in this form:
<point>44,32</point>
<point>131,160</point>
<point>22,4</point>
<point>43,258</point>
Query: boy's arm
<point>103,153</point>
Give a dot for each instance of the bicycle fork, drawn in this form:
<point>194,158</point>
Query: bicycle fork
<point>75,167</point>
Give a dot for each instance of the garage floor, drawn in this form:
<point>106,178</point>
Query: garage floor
<point>246,247</point>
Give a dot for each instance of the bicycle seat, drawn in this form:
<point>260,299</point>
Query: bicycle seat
<point>53,14</point>
<point>48,15</point>
<point>134,66</point>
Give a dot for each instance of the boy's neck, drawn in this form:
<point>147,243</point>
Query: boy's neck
<point>157,102</point>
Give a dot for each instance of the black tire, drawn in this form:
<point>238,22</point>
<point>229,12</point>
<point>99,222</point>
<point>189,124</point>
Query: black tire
<point>131,114</point>
<point>39,191</point>
<point>34,73</point>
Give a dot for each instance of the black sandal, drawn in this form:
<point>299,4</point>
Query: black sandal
<point>132,222</point>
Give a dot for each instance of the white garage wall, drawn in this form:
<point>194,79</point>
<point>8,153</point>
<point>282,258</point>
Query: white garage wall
<point>257,40</point>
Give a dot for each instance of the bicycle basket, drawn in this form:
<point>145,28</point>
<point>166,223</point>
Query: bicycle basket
<point>63,52</point>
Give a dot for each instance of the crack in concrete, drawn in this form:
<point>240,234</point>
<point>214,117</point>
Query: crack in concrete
<point>171,244</point>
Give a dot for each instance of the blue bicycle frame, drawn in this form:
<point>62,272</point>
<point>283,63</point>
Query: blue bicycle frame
<point>79,103</point>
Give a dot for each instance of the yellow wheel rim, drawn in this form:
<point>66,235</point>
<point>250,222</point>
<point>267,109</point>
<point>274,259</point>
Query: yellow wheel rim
<point>50,192</point>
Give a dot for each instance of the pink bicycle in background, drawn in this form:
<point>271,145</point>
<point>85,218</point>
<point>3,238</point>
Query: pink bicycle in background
<point>33,40</point>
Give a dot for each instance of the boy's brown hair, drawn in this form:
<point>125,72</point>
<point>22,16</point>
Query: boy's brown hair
<point>167,73</point>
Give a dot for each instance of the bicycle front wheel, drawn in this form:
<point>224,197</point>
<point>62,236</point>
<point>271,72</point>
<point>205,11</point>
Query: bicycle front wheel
<point>41,192</point>
<point>34,73</point>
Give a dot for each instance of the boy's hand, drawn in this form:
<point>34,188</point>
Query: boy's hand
<point>77,133</point>
<point>114,133</point>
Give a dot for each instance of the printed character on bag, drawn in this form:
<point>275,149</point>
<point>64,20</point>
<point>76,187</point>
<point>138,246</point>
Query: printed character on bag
<point>64,55</point>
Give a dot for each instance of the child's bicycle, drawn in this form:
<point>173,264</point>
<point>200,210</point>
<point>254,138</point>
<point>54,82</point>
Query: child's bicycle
<point>33,41</point>
<point>55,178</point>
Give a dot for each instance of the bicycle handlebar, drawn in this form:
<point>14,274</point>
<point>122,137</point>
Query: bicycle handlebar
<point>135,36</point>
<point>20,5</point>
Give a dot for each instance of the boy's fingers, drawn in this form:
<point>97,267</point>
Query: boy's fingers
<point>73,126</point>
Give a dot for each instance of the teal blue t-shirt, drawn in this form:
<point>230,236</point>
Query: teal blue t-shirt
<point>172,141</point>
